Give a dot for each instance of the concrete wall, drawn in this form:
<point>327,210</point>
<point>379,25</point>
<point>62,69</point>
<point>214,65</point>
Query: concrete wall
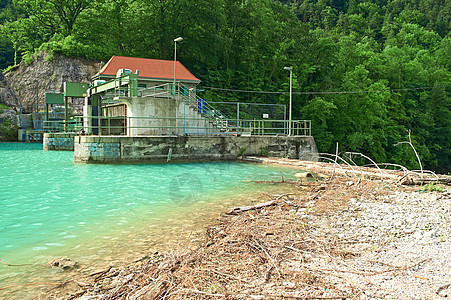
<point>90,149</point>
<point>58,141</point>
<point>188,120</point>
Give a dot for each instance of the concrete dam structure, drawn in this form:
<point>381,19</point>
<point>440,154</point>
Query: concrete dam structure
<point>162,149</point>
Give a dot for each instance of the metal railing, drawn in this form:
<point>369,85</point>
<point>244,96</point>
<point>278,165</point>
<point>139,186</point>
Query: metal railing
<point>204,108</point>
<point>149,126</point>
<point>197,116</point>
<point>73,125</point>
<point>167,90</point>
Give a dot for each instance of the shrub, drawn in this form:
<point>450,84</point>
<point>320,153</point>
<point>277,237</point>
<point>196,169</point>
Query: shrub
<point>8,131</point>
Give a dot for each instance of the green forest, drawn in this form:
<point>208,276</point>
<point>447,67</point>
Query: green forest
<point>364,71</point>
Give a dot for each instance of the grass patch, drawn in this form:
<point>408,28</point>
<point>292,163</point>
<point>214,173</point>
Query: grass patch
<point>433,187</point>
<point>3,106</point>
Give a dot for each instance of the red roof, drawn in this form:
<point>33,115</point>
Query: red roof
<point>148,68</point>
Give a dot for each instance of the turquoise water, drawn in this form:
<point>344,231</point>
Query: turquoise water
<point>52,207</point>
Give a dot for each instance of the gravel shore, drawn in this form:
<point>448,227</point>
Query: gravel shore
<point>406,231</point>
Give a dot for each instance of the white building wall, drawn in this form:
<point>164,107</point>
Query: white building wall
<point>162,116</point>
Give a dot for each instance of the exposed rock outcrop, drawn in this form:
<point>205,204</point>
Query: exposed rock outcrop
<point>8,115</point>
<point>47,76</point>
<point>7,95</point>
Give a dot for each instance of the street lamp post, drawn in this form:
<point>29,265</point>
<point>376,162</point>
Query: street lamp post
<point>291,97</point>
<point>179,39</point>
<point>100,67</point>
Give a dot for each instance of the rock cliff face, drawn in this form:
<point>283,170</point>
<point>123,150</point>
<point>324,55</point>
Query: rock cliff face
<point>47,76</point>
<point>7,115</point>
<point>7,95</point>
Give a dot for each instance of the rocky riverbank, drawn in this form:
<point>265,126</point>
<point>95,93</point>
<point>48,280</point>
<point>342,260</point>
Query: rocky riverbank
<point>346,238</point>
<point>406,228</point>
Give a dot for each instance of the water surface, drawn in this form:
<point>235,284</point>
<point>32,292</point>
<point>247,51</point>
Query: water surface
<point>107,214</point>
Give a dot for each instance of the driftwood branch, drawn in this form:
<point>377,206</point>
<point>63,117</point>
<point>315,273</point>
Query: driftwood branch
<point>11,265</point>
<point>414,150</point>
<point>444,287</point>
<point>372,161</point>
<point>338,157</point>
<point>238,210</point>
<point>29,284</point>
<point>446,181</point>
<point>394,269</point>
<point>335,163</point>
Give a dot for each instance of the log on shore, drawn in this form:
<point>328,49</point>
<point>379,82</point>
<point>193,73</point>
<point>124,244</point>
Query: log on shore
<point>238,210</point>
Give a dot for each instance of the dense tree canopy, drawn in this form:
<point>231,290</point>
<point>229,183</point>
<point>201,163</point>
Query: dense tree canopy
<point>389,59</point>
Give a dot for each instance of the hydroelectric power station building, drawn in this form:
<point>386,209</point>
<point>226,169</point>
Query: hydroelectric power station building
<point>139,110</point>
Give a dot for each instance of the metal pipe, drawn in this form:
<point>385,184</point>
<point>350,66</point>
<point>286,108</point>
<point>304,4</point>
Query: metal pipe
<point>238,116</point>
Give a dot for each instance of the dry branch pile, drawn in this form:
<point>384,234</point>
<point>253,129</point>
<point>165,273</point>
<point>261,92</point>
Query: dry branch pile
<point>345,167</point>
<point>256,254</point>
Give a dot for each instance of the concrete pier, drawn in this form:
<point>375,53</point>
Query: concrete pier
<point>158,149</point>
<point>58,141</point>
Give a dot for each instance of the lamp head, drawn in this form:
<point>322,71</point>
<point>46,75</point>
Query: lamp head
<point>179,39</point>
<point>288,68</point>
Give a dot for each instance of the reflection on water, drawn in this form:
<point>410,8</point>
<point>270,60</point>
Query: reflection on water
<point>107,214</point>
